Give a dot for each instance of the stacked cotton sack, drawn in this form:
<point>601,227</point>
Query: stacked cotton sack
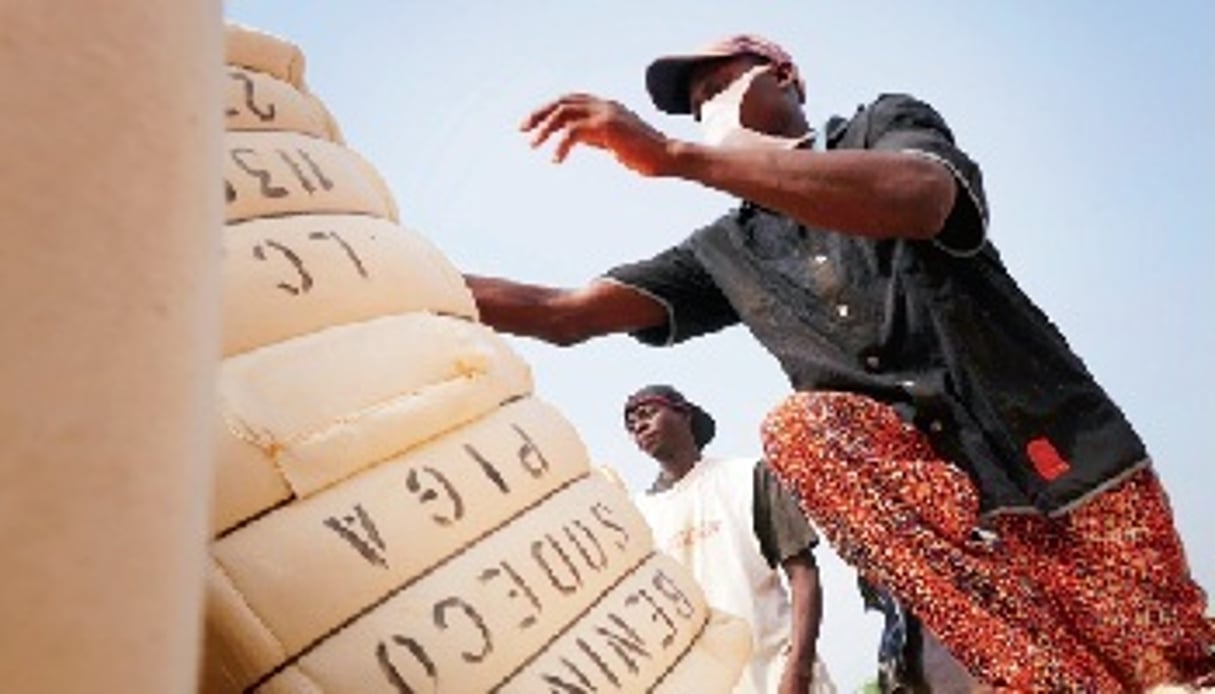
<point>395,511</point>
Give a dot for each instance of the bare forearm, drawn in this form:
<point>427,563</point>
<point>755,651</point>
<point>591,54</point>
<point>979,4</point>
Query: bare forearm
<point>516,308</point>
<point>862,192</point>
<point>563,316</point>
<point>807,609</point>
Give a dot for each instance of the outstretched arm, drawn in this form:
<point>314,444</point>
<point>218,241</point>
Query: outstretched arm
<point>563,316</point>
<point>862,192</point>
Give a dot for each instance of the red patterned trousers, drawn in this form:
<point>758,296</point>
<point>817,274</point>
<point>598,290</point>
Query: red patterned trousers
<point>1098,600</point>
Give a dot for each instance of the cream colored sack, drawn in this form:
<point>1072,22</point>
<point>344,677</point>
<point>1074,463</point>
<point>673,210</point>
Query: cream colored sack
<point>260,52</point>
<point>257,101</point>
<point>289,276</point>
<point>327,405</point>
<point>632,637</point>
<point>716,657</point>
<point>268,174</point>
<point>468,625</point>
<point>400,519</point>
<point>394,511</point>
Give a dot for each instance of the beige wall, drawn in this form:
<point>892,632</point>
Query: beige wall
<point>110,216</point>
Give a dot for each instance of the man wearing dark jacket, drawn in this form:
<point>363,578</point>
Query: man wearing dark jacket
<point>932,396</point>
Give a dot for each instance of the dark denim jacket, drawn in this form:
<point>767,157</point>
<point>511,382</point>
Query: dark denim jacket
<point>937,328</point>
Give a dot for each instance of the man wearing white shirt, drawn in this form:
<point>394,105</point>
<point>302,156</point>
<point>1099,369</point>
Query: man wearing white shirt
<point>733,524</point>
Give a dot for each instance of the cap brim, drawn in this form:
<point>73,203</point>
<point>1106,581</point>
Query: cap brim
<point>667,80</point>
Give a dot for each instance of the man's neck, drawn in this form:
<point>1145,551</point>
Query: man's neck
<point>680,465</point>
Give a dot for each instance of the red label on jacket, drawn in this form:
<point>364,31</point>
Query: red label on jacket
<point>1046,459</point>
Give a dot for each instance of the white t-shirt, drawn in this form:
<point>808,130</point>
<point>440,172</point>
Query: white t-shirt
<point>705,521</point>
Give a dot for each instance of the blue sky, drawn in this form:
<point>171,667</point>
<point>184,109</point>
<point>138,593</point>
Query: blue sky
<point>1092,122</point>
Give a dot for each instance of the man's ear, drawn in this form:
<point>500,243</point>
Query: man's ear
<point>686,415</point>
<point>785,78</point>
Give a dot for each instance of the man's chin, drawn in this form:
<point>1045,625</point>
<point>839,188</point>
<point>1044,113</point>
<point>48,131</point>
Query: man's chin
<point>657,452</point>
<point>649,446</point>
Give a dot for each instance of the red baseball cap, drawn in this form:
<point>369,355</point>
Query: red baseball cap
<point>667,77</point>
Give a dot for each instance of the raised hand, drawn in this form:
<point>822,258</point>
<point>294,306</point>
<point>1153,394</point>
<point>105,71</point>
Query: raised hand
<point>590,120</point>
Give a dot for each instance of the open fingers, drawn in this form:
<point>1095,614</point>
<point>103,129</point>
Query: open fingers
<point>573,135</point>
<point>564,116</point>
<point>539,115</point>
<point>535,117</point>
